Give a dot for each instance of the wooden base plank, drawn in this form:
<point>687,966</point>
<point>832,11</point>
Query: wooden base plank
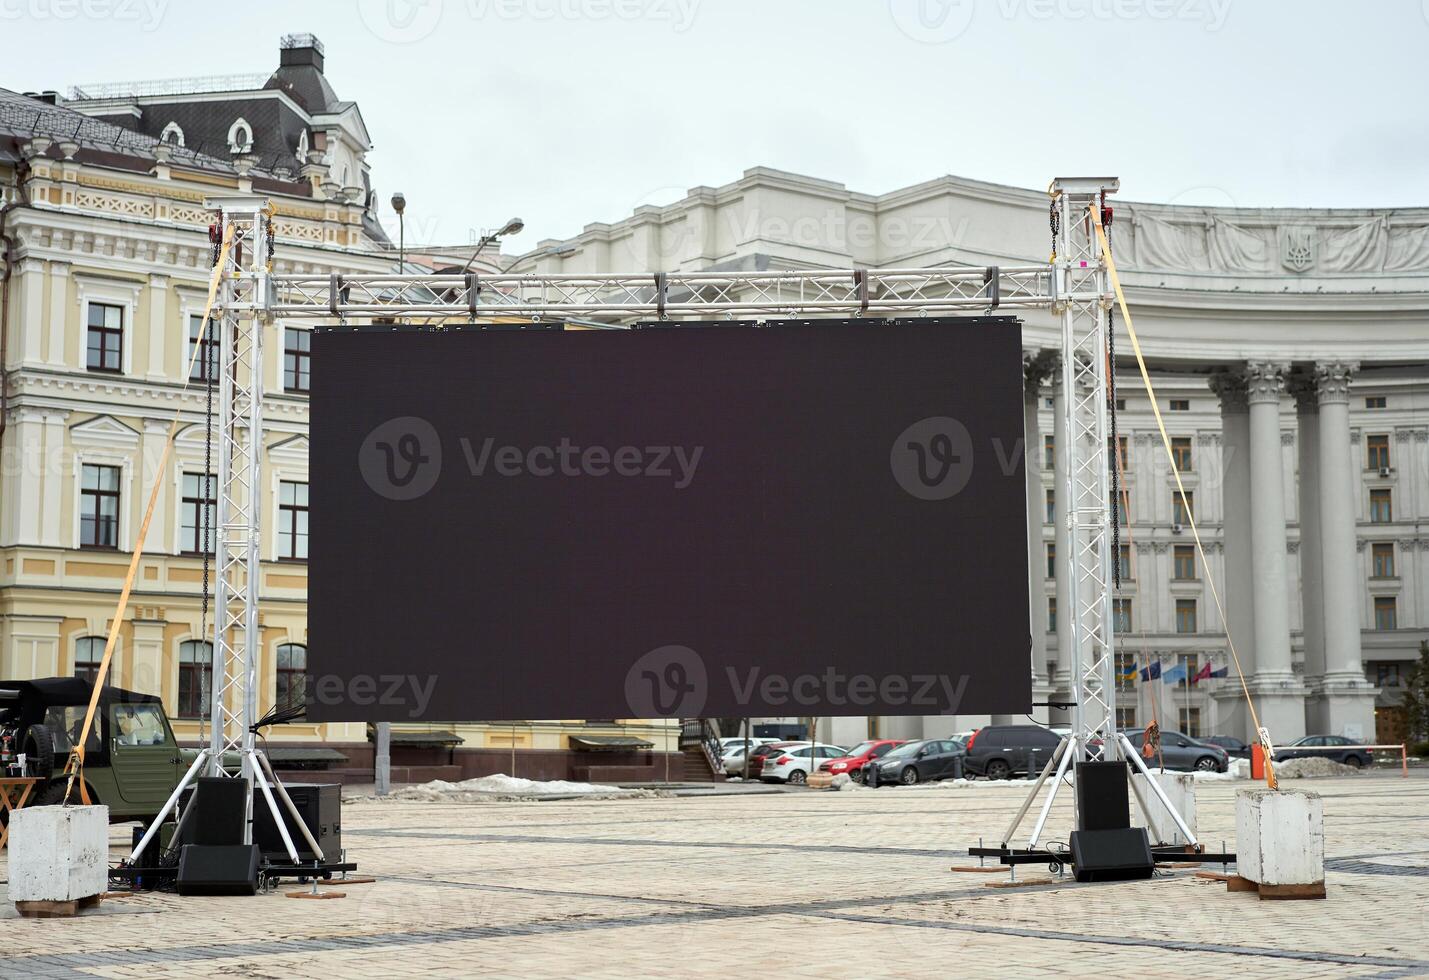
<point>1235,883</point>
<point>981,869</point>
<point>56,909</point>
<point>1315,890</point>
<point>316,895</point>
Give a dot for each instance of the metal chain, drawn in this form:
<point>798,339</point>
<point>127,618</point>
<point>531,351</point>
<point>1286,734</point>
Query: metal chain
<point>1054,221</point>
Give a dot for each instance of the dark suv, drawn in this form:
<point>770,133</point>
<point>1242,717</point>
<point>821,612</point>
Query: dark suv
<point>1000,751</point>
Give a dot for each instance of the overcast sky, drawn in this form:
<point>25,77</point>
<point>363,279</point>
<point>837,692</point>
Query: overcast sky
<point>571,111</point>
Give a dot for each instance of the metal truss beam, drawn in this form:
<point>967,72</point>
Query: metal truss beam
<point>852,292</point>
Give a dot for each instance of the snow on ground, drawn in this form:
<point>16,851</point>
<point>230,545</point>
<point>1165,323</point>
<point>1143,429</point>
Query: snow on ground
<point>503,788</point>
<point>1313,766</point>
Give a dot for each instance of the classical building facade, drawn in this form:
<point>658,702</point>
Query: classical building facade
<point>1290,353</point>
<point>107,261</point>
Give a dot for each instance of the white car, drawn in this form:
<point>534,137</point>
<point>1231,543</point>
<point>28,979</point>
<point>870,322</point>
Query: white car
<point>793,764</point>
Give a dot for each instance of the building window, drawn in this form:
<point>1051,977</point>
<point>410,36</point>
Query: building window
<point>1123,512</point>
<point>1126,719</point>
<point>1381,507</point>
<point>106,338</point>
<point>1121,614</point>
<point>204,366</point>
<point>1382,558</point>
<point>197,515</point>
<point>1183,563</point>
<point>297,352</point>
<point>1378,452</point>
<point>1190,719</point>
<point>1190,661</point>
<point>99,506</point>
<point>1181,504</point>
<point>173,134</point>
<point>1386,675</point>
<point>292,674</point>
<point>240,136</point>
<point>195,678</point>
<point>1051,560</point>
<point>1181,453</point>
<point>293,521</point>
<point>1123,563</point>
<point>1374,401</point>
<point>1386,614</point>
<point>1185,615</point>
<point>1049,452</point>
<point>1180,405</point>
<point>88,652</point>
<point>1052,614</point>
<point>1121,404</point>
<point>1051,506</point>
<point>1125,671</point>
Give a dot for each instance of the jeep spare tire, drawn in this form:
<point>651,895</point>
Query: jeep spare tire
<point>42,744</point>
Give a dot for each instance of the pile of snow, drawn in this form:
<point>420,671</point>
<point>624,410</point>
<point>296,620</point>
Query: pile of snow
<point>502,788</point>
<point>844,783</point>
<point>1313,767</point>
<point>964,783</point>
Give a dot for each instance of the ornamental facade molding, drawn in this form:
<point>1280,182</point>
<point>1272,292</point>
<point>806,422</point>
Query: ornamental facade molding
<point>1230,388</point>
<point>1265,381</point>
<point>1332,380</point>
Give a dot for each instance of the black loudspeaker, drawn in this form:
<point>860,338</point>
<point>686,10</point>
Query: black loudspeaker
<point>1102,801</point>
<point>219,811</point>
<point>321,809</point>
<point>230,869</point>
<point>1112,855</point>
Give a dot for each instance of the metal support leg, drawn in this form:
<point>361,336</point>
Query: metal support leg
<point>1135,758</point>
<point>168,806</point>
<point>291,808</point>
<point>1036,788</point>
<point>282,825</point>
<point>1066,759</point>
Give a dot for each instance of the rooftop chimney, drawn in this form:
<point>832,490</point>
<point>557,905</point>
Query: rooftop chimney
<point>300,49</point>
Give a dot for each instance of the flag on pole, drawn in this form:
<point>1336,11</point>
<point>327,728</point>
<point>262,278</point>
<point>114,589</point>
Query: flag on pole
<point>1129,674</point>
<point>1171,674</point>
<point>1152,672</point>
<point>1220,672</point>
<point>1203,673</point>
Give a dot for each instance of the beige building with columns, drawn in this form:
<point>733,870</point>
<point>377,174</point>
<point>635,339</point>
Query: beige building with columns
<point>1290,353</point>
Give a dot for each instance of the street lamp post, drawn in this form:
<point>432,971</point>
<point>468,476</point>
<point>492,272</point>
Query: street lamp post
<point>511,227</point>
<point>399,204</point>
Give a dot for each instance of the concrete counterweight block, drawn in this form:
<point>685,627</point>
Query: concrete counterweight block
<point>59,858</point>
<point>1180,788</point>
<point>1280,842</point>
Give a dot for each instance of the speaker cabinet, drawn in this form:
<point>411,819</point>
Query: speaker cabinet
<point>321,809</point>
<point>229,869</point>
<point>219,811</point>
<point>1102,800</point>
<point>1112,855</point>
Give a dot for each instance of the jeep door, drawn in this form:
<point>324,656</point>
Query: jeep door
<point>143,755</point>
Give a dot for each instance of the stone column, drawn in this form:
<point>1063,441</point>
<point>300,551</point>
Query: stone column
<point>1037,366</point>
<point>1279,698</point>
<point>1062,677</point>
<point>1342,701</point>
<point>1235,586</point>
<point>59,313</point>
<point>1307,408</point>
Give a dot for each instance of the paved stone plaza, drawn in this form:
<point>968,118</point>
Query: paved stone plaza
<point>801,883</point>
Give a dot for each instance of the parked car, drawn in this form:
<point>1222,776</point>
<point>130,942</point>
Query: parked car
<point>926,760</point>
<point>1234,747</point>
<point>732,742</point>
<point>1332,747</point>
<point>852,764</point>
<point>1184,753</point>
<point>757,757</point>
<point>794,763</point>
<point>1001,751</point>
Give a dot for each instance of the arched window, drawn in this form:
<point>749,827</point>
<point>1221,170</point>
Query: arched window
<point>292,674</point>
<point>302,153</point>
<point>88,652</point>
<point>240,136</point>
<point>172,134</point>
<point>195,678</point>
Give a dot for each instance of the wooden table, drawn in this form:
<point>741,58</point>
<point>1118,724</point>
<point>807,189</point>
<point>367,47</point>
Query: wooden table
<point>14,793</point>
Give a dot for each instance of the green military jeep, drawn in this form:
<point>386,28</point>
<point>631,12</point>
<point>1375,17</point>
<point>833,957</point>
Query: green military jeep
<point>132,760</point>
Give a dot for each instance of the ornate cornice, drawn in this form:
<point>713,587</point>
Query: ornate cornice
<point>1332,379</point>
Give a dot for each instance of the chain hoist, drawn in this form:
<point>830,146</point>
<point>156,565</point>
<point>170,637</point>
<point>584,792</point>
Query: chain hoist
<point>1054,221</point>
